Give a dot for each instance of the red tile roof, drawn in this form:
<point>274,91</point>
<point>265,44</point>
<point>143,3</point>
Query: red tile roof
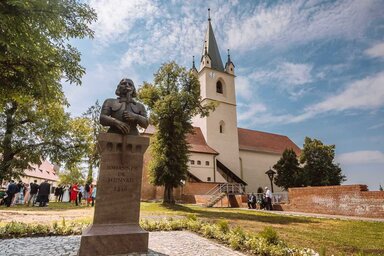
<point>198,144</point>
<point>44,171</point>
<point>265,142</point>
<point>196,140</point>
<point>248,140</point>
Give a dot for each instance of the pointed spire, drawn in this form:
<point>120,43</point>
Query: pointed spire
<point>229,57</point>
<point>229,66</point>
<point>194,69</point>
<point>210,47</point>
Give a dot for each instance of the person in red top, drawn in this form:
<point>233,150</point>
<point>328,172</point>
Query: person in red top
<point>74,191</point>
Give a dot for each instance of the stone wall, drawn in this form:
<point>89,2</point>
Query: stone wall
<point>350,200</point>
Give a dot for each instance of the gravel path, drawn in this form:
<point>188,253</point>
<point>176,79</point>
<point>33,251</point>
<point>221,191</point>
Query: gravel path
<point>160,244</point>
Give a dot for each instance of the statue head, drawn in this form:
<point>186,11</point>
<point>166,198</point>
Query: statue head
<point>126,84</point>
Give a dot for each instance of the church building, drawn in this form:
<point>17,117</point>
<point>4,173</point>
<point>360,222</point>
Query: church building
<point>221,152</point>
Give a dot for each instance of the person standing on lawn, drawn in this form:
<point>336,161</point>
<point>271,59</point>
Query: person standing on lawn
<point>33,193</point>
<point>43,195</point>
<point>74,193</point>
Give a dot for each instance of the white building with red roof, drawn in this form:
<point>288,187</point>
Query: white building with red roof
<point>44,171</point>
<point>221,152</point>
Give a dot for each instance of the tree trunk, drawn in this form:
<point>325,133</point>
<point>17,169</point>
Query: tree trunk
<point>168,195</point>
<point>8,154</point>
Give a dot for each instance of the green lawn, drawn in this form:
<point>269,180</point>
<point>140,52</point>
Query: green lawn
<point>339,237</point>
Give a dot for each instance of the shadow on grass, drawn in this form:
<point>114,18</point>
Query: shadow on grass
<point>217,213</point>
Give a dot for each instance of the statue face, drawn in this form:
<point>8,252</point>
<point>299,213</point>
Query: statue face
<point>125,88</point>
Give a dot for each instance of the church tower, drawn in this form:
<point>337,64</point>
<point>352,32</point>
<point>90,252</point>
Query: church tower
<point>218,84</point>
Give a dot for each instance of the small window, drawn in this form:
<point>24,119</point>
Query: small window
<point>198,162</point>
<point>41,170</point>
<point>231,69</point>
<point>207,163</point>
<point>207,61</point>
<point>192,161</point>
<point>221,126</point>
<point>208,178</point>
<point>219,87</point>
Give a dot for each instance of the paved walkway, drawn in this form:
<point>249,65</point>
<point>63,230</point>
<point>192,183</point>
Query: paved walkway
<point>318,215</point>
<point>160,244</point>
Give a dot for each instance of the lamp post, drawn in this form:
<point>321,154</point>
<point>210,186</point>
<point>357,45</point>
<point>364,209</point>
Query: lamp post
<point>270,174</point>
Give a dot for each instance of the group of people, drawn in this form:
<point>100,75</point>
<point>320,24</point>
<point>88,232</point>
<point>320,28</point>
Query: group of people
<point>21,193</point>
<point>76,194</point>
<point>265,200</point>
<point>33,193</point>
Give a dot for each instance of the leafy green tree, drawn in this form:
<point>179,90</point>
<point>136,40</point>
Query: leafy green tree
<point>71,176</point>
<point>34,57</point>
<point>93,157</point>
<point>289,173</point>
<point>319,169</point>
<point>173,99</point>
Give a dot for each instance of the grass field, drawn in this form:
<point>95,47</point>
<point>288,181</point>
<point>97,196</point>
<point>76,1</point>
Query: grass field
<point>338,237</point>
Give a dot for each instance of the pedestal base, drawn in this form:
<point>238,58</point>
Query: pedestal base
<point>111,239</point>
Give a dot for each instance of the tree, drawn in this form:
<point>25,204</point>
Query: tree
<point>71,176</point>
<point>34,57</point>
<point>380,188</point>
<point>289,173</point>
<point>173,100</point>
<point>93,156</point>
<point>319,169</point>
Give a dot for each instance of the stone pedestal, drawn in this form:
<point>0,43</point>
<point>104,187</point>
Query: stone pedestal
<point>115,228</point>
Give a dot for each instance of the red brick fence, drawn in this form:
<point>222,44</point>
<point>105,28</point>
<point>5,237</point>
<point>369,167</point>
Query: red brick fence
<point>351,200</point>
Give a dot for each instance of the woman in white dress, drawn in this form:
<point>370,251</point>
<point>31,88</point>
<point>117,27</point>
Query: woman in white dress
<point>66,194</point>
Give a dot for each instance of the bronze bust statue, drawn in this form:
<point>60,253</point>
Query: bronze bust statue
<point>123,114</point>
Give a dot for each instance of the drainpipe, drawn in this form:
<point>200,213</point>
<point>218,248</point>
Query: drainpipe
<point>214,168</point>
<point>241,168</point>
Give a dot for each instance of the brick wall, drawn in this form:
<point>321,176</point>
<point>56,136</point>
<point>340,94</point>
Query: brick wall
<point>350,200</point>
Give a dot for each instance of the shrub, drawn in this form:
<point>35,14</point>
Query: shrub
<point>270,235</point>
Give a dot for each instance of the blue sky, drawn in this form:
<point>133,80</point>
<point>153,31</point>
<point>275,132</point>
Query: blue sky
<point>304,68</point>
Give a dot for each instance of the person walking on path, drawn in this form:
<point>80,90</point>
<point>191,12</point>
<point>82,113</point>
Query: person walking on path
<point>44,191</point>
<point>33,193</point>
<point>268,198</point>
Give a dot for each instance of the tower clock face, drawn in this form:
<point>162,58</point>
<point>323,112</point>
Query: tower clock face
<point>212,74</point>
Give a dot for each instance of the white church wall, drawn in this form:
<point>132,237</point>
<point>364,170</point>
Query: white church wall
<point>205,170</point>
<point>254,166</point>
<point>227,142</point>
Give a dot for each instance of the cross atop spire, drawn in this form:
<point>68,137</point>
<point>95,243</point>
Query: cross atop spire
<point>209,14</point>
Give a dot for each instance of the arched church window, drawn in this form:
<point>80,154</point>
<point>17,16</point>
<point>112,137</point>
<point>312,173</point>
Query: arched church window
<point>198,162</point>
<point>219,87</point>
<point>221,127</point>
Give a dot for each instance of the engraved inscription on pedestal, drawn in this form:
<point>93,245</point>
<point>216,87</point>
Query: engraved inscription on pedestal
<point>115,228</point>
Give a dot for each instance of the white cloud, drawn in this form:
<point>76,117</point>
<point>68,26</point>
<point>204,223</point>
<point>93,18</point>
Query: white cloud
<point>300,22</point>
<point>288,76</point>
<point>361,157</point>
<point>364,94</point>
<point>243,88</point>
<point>250,110</point>
<point>367,93</point>
<point>116,18</point>
<point>376,51</point>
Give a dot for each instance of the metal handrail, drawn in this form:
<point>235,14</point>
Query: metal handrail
<point>228,188</point>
